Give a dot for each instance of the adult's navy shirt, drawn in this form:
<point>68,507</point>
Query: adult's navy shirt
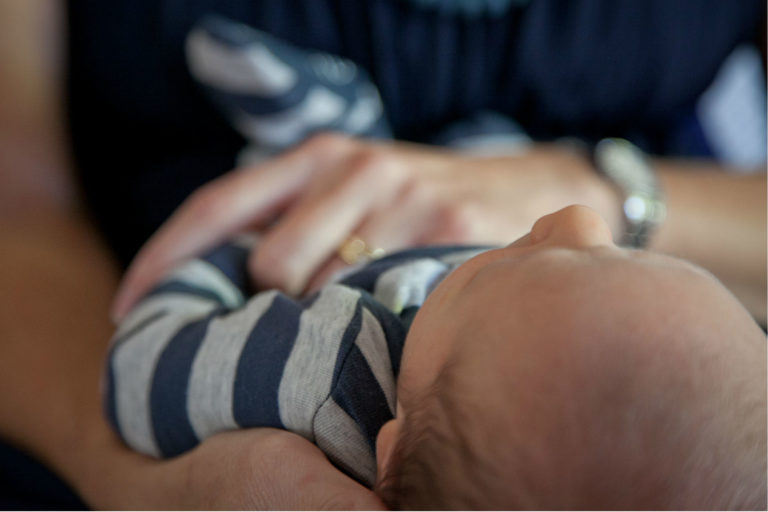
<point>144,136</point>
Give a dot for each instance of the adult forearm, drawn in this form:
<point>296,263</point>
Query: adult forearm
<point>718,220</point>
<point>56,282</point>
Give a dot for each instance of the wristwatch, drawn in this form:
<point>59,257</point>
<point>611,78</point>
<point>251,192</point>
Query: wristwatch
<point>626,166</point>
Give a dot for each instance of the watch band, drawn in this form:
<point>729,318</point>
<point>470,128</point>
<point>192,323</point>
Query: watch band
<point>643,208</point>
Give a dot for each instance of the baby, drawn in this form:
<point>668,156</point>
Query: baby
<point>509,389</point>
<point>557,372</point>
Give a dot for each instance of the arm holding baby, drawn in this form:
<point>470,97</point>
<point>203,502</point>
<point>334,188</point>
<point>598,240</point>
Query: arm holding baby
<point>515,388</point>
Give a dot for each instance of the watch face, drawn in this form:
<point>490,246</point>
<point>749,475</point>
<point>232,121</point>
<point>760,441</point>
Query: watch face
<point>636,208</point>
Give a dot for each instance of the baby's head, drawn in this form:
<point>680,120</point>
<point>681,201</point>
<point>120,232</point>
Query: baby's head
<point>564,372</point>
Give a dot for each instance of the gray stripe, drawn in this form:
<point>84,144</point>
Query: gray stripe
<point>308,371</point>
<point>366,110</point>
<point>253,70</point>
<point>133,364</point>
<point>457,258</point>
<point>339,437</point>
<point>407,285</point>
<point>167,302</point>
<point>373,344</point>
<point>211,384</point>
<point>204,275</point>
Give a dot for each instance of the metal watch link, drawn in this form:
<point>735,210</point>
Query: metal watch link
<point>643,207</point>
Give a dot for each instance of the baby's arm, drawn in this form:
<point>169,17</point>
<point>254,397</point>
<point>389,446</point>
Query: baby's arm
<point>156,343</point>
<point>195,358</point>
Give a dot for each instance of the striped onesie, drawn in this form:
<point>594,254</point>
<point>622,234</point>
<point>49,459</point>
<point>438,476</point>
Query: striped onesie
<point>202,353</point>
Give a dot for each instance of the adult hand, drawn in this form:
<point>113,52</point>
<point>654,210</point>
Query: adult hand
<point>392,195</point>
<point>256,469</point>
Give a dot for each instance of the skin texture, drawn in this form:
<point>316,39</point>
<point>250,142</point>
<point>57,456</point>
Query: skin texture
<point>393,195</point>
<point>396,195</point>
<point>56,281</point>
<point>50,253</point>
<point>555,338</point>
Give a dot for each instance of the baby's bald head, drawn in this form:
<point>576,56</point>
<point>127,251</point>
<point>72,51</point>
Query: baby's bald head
<point>578,375</point>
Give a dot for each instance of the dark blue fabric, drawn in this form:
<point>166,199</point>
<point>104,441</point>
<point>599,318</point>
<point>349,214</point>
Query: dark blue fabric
<point>232,261</point>
<point>237,37</point>
<point>145,136</point>
<point>281,321</point>
<point>347,342</point>
<point>356,392</point>
<point>168,405</point>
<point>25,484</point>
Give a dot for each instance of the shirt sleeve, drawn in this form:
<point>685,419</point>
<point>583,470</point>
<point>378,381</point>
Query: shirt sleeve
<point>201,354</point>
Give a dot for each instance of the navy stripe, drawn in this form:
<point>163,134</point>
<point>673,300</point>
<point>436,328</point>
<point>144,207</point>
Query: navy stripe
<point>232,261</point>
<point>367,276</point>
<point>168,397</point>
<point>395,329</point>
<point>359,394</point>
<point>262,362</point>
<point>407,316</point>
<point>187,289</point>
<point>254,105</point>
<point>275,105</point>
<point>347,341</point>
<point>241,38</point>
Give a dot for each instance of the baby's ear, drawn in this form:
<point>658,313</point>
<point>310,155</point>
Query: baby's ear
<point>385,444</point>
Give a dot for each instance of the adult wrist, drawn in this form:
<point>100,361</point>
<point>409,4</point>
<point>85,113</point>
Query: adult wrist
<point>90,458</point>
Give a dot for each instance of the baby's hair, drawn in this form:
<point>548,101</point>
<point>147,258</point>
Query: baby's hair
<point>437,462</point>
<point>446,455</point>
<point>432,440</point>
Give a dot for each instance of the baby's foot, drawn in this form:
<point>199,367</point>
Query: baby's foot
<point>276,94</point>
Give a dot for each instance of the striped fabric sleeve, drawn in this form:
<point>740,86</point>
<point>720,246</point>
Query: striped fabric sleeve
<point>196,357</point>
<point>202,353</point>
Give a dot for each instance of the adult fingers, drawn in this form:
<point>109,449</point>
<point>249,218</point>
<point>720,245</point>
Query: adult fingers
<point>310,233</point>
<point>399,225</point>
<point>335,264</point>
<point>222,208</point>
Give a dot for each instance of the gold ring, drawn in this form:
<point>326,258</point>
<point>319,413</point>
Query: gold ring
<point>354,250</point>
